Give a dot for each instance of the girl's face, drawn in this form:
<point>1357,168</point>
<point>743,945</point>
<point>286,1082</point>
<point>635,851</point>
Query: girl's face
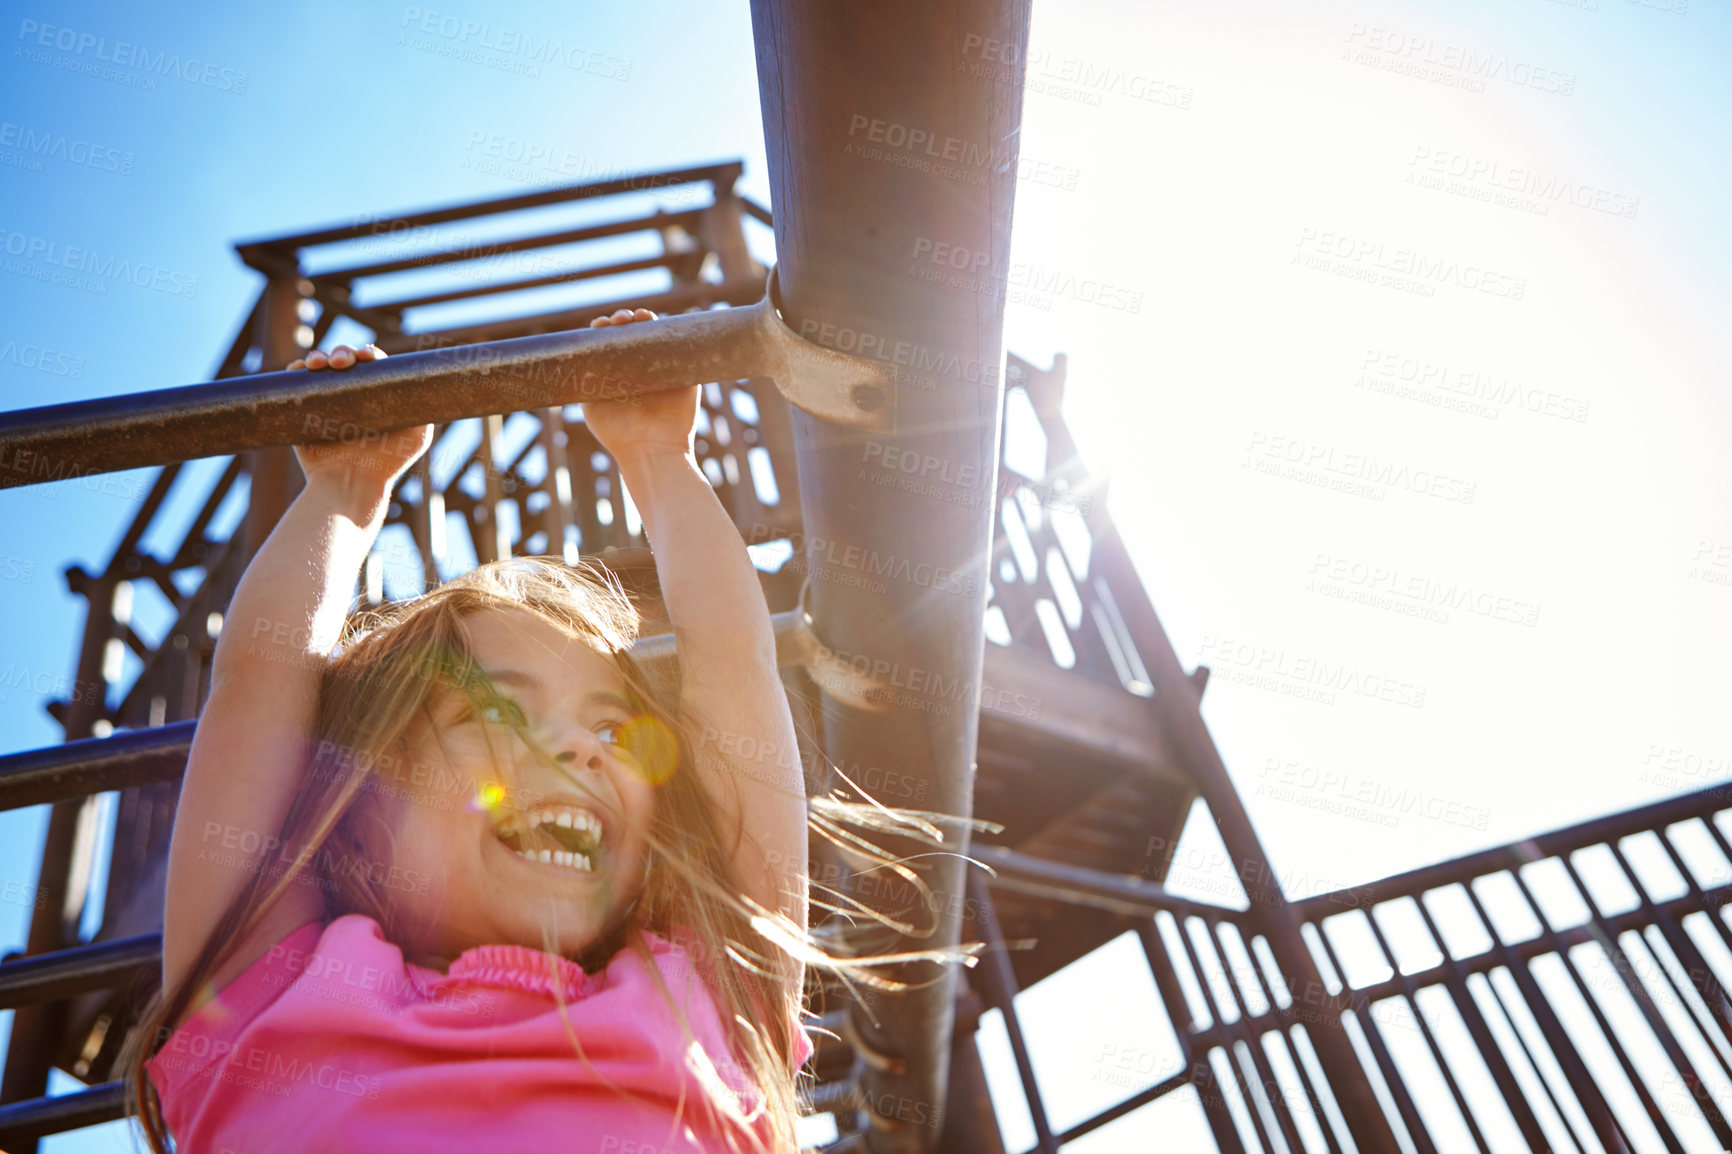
<point>501,843</point>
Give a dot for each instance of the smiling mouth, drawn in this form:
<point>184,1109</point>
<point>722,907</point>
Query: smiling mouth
<point>558,835</point>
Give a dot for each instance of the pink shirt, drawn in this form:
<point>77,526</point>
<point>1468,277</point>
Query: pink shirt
<point>330,1041</point>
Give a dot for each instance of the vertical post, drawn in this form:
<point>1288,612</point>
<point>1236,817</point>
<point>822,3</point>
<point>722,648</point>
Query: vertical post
<point>274,474</point>
<point>721,232</point>
<point>1279,920</point>
<point>854,210</point>
<point>61,882</point>
<point>558,518</point>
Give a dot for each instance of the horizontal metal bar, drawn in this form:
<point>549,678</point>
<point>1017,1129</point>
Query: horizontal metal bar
<point>681,298</point>
<point>471,292</point>
<point>1117,893</point>
<point>79,970</point>
<point>440,385</point>
<point>93,765</point>
<point>1700,803</point>
<point>495,248</point>
<point>35,1117</point>
<point>718,173</point>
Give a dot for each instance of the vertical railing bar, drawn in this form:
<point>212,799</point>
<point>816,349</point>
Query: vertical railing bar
<point>1619,963</point>
<point>1257,1098</point>
<point>1410,994</point>
<point>1254,1043</point>
<point>1268,995</point>
<point>1324,1125</point>
<point>1660,916</point>
<point>1701,899</point>
<point>419,517</point>
<point>1230,1033</point>
<point>1714,832</point>
<point>1691,961</point>
<point>492,429</point>
<point>1000,982</point>
<point>1607,1128</point>
<point>1416,1128</point>
<point>1533,1063</point>
<point>560,494</point>
<point>1469,1010</point>
<point>1626,973</point>
<point>1214,1108</point>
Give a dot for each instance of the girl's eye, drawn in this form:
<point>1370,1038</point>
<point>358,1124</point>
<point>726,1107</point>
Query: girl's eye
<point>500,711</point>
<point>610,731</point>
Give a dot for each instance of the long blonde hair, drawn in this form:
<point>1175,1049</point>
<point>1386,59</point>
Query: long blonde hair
<point>384,676</point>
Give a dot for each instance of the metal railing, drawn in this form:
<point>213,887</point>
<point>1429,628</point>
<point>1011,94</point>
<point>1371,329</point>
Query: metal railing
<point>1566,992</point>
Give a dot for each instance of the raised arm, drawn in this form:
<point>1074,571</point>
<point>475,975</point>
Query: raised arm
<point>727,651</point>
<point>249,752</point>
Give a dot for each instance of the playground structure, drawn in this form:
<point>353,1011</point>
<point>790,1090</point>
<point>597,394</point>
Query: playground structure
<point>956,635</point>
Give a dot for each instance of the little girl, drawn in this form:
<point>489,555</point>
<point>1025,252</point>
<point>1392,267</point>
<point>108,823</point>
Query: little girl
<point>453,875</point>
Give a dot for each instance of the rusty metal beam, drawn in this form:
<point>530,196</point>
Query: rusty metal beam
<point>721,175</point>
<point>441,385</point>
<point>878,151</point>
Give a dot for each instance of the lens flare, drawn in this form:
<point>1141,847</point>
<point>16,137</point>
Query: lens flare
<point>487,798</point>
<point>651,746</point>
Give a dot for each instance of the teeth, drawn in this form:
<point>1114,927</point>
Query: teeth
<point>571,860</point>
<point>568,819</point>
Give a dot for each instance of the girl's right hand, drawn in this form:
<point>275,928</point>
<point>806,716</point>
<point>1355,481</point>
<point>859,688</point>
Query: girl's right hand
<point>366,455</point>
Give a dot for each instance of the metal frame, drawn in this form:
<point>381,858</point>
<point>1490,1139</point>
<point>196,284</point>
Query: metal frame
<point>1074,632</point>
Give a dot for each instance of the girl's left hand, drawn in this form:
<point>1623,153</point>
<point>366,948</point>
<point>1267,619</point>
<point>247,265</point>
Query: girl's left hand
<point>662,420</point>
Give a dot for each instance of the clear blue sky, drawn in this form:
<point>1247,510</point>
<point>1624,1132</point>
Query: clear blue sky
<point>1260,138</point>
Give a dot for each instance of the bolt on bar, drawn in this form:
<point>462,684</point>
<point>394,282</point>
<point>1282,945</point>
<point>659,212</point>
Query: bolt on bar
<point>615,363</point>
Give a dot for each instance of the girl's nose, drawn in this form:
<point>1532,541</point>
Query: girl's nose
<point>574,746</point>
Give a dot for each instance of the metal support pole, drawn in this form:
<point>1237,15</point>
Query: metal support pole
<point>879,151</point>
